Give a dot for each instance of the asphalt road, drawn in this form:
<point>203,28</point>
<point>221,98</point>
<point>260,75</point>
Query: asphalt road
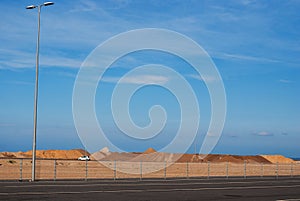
<point>194,189</point>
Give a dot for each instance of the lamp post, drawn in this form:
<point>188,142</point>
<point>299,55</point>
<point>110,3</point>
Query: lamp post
<point>36,86</point>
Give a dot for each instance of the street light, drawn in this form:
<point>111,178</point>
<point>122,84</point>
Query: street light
<point>36,86</point>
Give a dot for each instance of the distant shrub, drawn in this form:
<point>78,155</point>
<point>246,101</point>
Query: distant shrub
<point>12,161</point>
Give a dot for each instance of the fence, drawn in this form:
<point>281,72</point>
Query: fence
<point>54,169</point>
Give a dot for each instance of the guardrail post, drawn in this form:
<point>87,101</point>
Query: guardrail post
<point>165,170</point>
<point>141,170</point>
<point>86,170</point>
<point>54,176</point>
<point>208,169</point>
<point>261,170</point>
<point>227,170</point>
<point>21,169</point>
<point>277,170</point>
<point>115,170</point>
<point>187,170</point>
<point>245,169</point>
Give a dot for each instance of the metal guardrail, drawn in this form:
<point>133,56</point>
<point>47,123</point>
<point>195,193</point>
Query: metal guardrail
<point>59,169</point>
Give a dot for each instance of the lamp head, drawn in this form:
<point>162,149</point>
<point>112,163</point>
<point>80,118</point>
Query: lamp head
<point>48,3</point>
<point>31,7</point>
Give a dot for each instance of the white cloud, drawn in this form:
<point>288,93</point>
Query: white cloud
<point>223,55</point>
<point>263,133</point>
<point>22,59</point>
<point>83,31</point>
<point>17,82</point>
<point>84,6</point>
<point>203,78</point>
<point>138,79</point>
<point>285,81</point>
<point>59,61</point>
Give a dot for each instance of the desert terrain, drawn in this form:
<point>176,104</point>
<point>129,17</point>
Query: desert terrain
<point>104,164</point>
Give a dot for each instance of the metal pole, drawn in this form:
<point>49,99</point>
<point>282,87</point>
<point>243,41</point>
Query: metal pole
<point>141,170</point>
<point>292,174</point>
<point>115,169</point>
<point>21,169</point>
<point>245,169</point>
<point>208,169</point>
<point>262,170</point>
<point>86,169</point>
<point>187,170</point>
<point>36,97</point>
<point>165,170</point>
<point>54,177</point>
<point>277,170</point>
<point>227,170</point>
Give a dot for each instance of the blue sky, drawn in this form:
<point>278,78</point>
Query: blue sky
<point>254,44</point>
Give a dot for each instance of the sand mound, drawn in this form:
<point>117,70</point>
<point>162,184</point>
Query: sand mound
<point>58,154</point>
<point>219,158</point>
<point>151,155</point>
<point>7,155</point>
<point>157,157</point>
<point>278,159</point>
<point>115,156</point>
<point>149,151</point>
<point>14,155</point>
<point>99,155</point>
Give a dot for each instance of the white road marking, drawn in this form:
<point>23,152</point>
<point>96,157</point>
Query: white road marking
<point>151,190</point>
<point>297,199</point>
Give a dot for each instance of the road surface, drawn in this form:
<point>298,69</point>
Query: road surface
<point>153,190</point>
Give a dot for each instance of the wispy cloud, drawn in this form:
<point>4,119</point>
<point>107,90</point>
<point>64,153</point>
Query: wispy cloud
<point>60,61</point>
<point>101,20</point>
<point>138,79</point>
<point>243,57</point>
<point>15,59</point>
<point>18,82</point>
<point>22,59</point>
<point>285,81</point>
<point>84,6</point>
<point>67,74</point>
<point>263,133</point>
<point>203,78</point>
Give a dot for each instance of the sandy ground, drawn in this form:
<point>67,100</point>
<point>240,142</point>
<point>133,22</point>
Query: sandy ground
<point>15,169</point>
